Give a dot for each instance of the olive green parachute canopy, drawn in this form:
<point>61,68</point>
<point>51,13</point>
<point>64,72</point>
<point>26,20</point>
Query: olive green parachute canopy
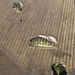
<point>43,41</point>
<point>18,6</point>
<point>59,69</point>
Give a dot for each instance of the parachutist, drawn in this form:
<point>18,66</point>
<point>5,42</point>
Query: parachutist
<point>21,20</point>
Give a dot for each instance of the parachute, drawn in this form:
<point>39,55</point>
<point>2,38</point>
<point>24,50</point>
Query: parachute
<point>18,6</point>
<point>59,69</point>
<point>43,41</point>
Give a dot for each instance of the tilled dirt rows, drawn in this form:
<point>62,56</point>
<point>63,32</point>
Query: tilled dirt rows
<point>46,17</point>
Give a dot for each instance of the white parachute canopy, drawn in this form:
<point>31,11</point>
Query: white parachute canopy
<point>18,6</point>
